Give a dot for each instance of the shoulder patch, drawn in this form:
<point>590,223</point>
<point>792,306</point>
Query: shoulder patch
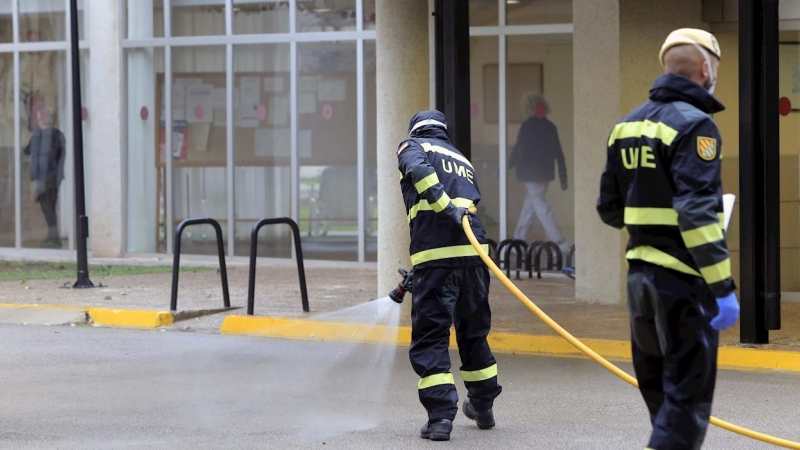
<point>706,148</point>
<point>403,146</point>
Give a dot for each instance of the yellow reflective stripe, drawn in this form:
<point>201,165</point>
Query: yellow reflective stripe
<point>703,235</point>
<point>480,375</point>
<point>659,258</point>
<point>423,205</point>
<point>646,128</point>
<point>441,204</point>
<point>425,183</point>
<point>456,251</point>
<point>651,216</point>
<point>437,149</point>
<point>718,272</point>
<point>436,380</point>
<point>721,220</point>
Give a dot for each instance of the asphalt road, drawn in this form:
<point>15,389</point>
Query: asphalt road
<point>91,388</point>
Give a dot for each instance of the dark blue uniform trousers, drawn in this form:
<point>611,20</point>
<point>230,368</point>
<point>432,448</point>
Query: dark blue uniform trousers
<point>443,297</point>
<point>674,352</point>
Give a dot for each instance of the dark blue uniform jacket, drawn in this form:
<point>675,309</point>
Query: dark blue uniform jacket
<point>662,182</point>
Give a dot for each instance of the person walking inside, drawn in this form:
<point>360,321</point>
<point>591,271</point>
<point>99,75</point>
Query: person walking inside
<point>47,149</point>
<point>535,155</point>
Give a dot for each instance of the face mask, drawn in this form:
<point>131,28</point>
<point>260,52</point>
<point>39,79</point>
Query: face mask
<point>712,77</point>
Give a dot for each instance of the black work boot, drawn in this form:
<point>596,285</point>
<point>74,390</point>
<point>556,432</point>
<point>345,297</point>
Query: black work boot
<point>437,430</point>
<point>484,419</point>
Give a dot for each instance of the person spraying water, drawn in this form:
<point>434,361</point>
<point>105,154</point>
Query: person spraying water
<point>449,280</point>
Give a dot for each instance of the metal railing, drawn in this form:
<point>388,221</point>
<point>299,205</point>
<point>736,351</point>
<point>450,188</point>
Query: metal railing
<point>251,288</point>
<point>177,259</point>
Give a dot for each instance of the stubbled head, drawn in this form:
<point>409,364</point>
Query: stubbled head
<point>425,121</point>
<point>694,54</point>
<point>533,104</point>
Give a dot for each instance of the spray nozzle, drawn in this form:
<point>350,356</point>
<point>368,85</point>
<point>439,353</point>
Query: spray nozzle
<point>405,286</point>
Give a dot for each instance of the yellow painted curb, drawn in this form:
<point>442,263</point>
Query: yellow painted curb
<point>126,318</point>
<point>517,343</point>
<point>130,318</point>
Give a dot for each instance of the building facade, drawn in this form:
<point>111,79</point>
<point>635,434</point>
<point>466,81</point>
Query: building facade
<point>276,108</point>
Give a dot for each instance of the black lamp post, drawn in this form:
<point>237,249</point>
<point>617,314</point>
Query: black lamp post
<point>81,221</point>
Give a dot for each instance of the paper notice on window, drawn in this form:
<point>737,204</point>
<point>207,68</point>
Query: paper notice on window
<point>304,143</point>
<point>200,103</point>
<point>250,100</point>
<point>179,102</point>
<point>307,103</point>
<point>220,98</point>
<point>274,84</point>
<point>278,114</point>
<point>307,84</point>
<point>273,142</point>
<point>331,90</point>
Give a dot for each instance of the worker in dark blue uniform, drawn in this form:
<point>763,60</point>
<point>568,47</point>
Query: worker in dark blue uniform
<point>451,283</point>
<point>662,182</point>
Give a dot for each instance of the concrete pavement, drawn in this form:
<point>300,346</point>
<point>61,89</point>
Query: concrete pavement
<point>75,387</point>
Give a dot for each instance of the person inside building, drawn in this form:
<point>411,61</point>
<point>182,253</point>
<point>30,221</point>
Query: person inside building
<point>451,282</point>
<point>662,182</point>
<point>535,155</point>
<point>47,149</point>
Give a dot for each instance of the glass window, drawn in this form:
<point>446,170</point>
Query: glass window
<point>484,131</point>
<point>539,124</point>
<point>144,19</point>
<point>146,202</point>
<point>789,86</point>
<point>191,19</point>
<point>6,22</point>
<point>46,217</point>
<point>370,152</point>
<point>262,145</point>
<point>369,14</point>
<point>41,21</point>
<point>199,155</point>
<point>326,15</point>
<point>7,152</point>
<point>251,17</point>
<point>531,12</point>
<point>82,21</point>
<point>327,149</point>
<point>483,13</point>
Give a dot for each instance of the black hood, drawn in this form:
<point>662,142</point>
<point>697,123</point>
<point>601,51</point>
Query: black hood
<point>672,88</point>
<point>433,130</point>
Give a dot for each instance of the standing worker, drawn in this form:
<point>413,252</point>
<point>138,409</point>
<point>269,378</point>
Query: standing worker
<point>48,151</point>
<point>451,283</point>
<point>662,182</point>
<point>535,155</point>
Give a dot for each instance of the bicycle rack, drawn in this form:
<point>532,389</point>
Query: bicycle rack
<point>508,245</point>
<point>251,287</point>
<point>530,264</point>
<point>552,249</point>
<point>177,260</point>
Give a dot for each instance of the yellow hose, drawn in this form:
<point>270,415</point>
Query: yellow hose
<point>596,357</point>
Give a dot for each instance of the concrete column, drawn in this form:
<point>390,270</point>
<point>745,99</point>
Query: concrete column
<point>616,45</point>
<point>141,93</point>
<point>106,138</point>
<point>402,82</point>
<point>596,60</point>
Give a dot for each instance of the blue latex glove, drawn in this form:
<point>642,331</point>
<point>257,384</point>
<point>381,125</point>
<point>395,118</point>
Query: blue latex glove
<point>728,312</point>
